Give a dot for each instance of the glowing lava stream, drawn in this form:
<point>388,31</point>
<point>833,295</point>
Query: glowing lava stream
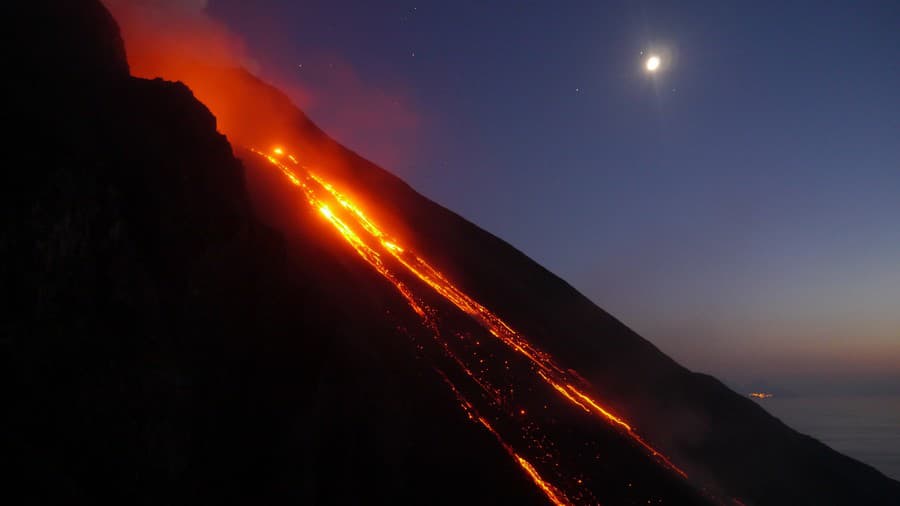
<point>372,257</point>
<point>555,495</point>
<point>545,367</point>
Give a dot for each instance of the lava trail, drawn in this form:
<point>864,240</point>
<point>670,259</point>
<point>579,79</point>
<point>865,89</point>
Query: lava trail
<point>494,367</point>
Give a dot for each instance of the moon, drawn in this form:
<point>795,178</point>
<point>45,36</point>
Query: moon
<point>653,63</point>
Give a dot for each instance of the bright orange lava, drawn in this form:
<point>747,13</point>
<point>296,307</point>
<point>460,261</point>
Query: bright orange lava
<point>377,243</point>
<point>555,495</point>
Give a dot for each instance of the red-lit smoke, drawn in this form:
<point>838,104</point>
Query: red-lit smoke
<point>178,41</point>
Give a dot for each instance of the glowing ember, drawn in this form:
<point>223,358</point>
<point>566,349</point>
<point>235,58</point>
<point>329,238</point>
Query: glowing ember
<point>555,495</point>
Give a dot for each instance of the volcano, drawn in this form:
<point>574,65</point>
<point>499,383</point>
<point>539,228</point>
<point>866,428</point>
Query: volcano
<point>269,317</point>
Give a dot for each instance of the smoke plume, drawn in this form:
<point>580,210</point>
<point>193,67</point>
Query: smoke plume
<point>179,41</point>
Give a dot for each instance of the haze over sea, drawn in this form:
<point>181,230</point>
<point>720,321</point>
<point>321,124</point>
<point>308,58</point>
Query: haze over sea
<point>865,427</point>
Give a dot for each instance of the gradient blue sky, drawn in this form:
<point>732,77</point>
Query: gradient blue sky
<point>741,209</point>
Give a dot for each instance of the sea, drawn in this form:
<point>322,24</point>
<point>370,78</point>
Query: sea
<point>866,428</point>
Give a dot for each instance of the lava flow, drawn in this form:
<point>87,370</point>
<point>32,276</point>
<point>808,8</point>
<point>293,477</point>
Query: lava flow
<point>479,362</point>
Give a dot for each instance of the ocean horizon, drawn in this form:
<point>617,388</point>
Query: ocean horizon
<point>865,427</point>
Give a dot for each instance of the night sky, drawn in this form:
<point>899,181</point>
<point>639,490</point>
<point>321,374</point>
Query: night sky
<point>740,207</point>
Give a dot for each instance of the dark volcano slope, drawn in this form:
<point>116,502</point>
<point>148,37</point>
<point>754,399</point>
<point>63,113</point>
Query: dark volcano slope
<point>160,345</point>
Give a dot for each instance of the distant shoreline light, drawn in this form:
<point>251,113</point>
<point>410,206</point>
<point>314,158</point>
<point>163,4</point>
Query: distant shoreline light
<point>760,395</point>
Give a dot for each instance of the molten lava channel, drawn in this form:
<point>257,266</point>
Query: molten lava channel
<point>374,246</point>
